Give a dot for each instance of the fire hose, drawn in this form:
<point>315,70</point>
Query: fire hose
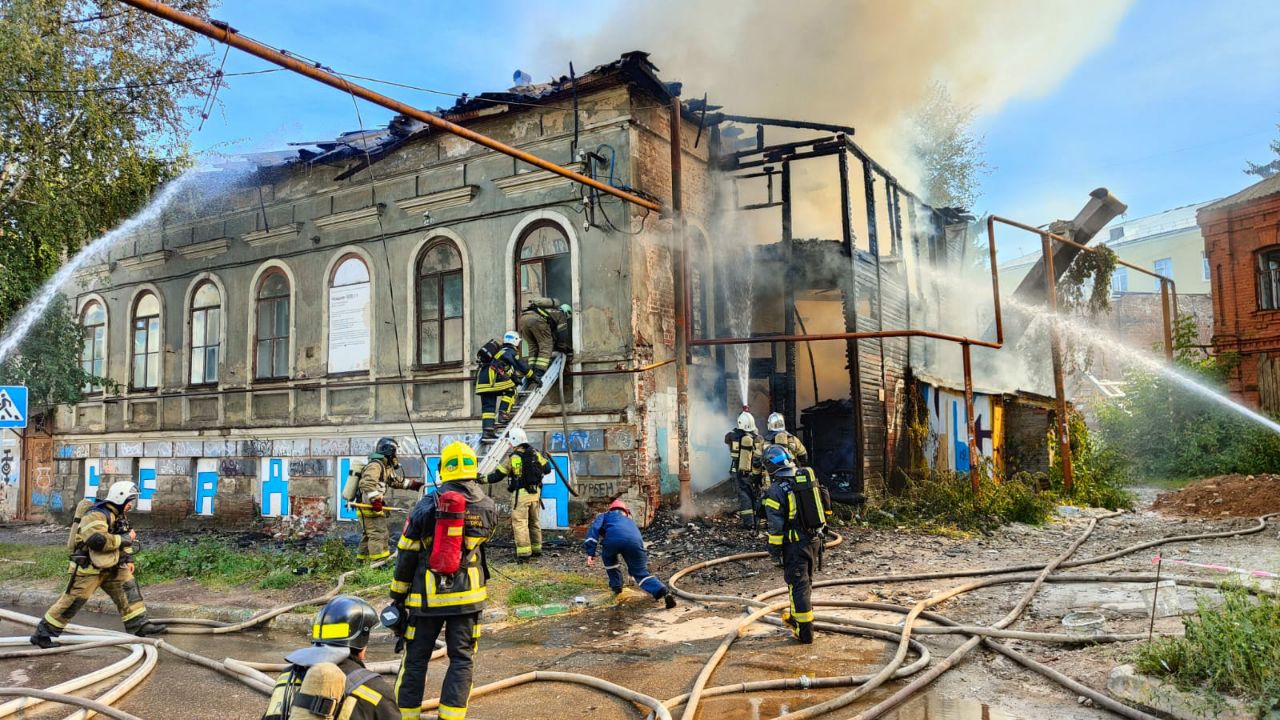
<point>250,673</point>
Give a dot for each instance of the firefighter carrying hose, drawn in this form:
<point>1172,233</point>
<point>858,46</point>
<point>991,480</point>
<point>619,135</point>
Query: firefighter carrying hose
<point>797,509</point>
<point>339,640</point>
<point>500,368</point>
<point>440,583</point>
<point>546,326</point>
<point>376,477</point>
<point>614,534</point>
<point>101,545</point>
<point>776,434</point>
<point>523,469</point>
<point>745,447</point>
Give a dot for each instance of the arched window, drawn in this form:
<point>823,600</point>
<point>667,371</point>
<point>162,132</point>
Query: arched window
<point>271,361</point>
<point>350,317</point>
<point>206,326</point>
<point>146,343</point>
<point>439,304</point>
<point>93,352</point>
<point>1269,278</point>
<point>543,265</point>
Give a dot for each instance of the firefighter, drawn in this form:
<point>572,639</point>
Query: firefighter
<point>101,545</point>
<point>523,469</point>
<point>379,474</point>
<point>745,447</point>
<point>776,433</point>
<point>615,536</point>
<point>440,581</point>
<point>797,514</point>
<point>500,369</point>
<point>339,635</point>
<point>545,325</point>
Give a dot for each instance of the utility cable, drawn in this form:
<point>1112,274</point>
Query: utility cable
<point>135,86</point>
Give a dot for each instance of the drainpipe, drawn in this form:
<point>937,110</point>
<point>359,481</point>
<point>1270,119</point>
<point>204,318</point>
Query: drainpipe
<point>680,278</point>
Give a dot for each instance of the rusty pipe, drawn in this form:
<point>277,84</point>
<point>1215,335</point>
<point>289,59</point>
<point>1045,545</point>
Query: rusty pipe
<point>1168,323</point>
<point>225,34</point>
<point>624,371</point>
<point>861,335</point>
<point>995,277</point>
<point>1055,351</point>
<point>974,475</point>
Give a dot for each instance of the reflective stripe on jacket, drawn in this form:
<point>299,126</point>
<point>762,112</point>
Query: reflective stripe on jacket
<point>425,592</point>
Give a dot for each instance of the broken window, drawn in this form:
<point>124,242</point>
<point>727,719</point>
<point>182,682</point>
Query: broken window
<point>543,265</point>
<point>271,361</point>
<point>350,317</point>
<point>206,327</point>
<point>439,304</point>
<point>93,352</point>
<point>146,343</point>
<point>1269,279</point>
<point>1120,281</point>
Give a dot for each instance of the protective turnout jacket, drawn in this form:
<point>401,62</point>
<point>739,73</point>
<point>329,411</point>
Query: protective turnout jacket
<point>377,476</point>
<point>526,467</point>
<point>557,321</point>
<point>97,539</point>
<point>368,696</point>
<point>746,452</point>
<point>500,374</point>
<point>780,511</point>
<point>425,592</point>
<point>615,528</point>
<point>790,442</point>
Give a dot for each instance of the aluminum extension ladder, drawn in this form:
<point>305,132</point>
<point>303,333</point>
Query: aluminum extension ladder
<point>527,402</point>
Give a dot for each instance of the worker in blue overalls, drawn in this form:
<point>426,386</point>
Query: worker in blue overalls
<point>615,536</point>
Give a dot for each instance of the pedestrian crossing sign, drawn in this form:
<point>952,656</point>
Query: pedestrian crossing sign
<point>13,406</point>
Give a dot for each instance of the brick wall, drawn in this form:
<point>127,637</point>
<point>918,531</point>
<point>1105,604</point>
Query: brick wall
<point>1232,236</point>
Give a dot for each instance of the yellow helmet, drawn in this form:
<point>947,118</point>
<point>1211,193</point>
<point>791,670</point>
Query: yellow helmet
<point>457,462</point>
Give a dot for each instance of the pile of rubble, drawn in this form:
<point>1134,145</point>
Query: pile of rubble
<point>1224,496</point>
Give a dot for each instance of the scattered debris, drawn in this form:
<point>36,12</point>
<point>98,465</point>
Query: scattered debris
<point>1224,496</point>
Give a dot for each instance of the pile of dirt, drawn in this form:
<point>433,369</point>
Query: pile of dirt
<point>1224,496</point>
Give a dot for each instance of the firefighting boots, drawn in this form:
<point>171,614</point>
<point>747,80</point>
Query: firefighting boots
<point>45,635</point>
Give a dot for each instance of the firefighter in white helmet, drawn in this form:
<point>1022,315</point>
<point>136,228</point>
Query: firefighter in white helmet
<point>523,469</point>
<point>776,434</point>
<point>745,447</point>
<point>101,545</point>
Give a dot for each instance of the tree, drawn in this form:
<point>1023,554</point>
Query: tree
<point>951,155</point>
<point>48,361</point>
<point>92,103</point>
<point>1266,170</point>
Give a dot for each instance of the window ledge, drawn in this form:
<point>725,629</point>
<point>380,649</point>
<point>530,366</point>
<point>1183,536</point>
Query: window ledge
<point>453,197</point>
<point>289,231</point>
<point>534,180</point>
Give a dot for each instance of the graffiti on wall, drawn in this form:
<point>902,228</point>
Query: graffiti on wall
<point>274,478</point>
<point>947,444</point>
<point>206,486</point>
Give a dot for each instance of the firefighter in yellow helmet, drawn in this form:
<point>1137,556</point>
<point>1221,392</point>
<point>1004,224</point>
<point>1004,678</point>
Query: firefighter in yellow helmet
<point>339,636</point>
<point>440,583</point>
<point>101,545</point>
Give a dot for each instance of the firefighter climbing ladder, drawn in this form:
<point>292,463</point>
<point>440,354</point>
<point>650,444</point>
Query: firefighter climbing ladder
<point>527,403</point>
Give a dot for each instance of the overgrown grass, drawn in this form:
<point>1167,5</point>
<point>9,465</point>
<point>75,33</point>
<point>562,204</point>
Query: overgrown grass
<point>532,585</point>
<point>32,562</point>
<point>945,502</point>
<point>1232,648</point>
<point>217,563</point>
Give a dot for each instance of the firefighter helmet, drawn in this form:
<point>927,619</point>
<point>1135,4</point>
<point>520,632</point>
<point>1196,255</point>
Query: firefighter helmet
<point>517,436</point>
<point>776,423</point>
<point>344,621</point>
<point>512,338</point>
<point>122,493</point>
<point>457,462</point>
<point>566,309</point>
<point>747,422</point>
<point>778,458</point>
<point>620,505</point>
<point>386,447</point>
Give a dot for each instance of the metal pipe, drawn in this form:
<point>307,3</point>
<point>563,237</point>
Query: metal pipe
<point>680,271</point>
<point>225,34</point>
<point>864,335</point>
<point>778,122</point>
<point>995,277</point>
<point>624,371</point>
<point>789,297</point>
<point>1055,350</point>
<point>974,476</point>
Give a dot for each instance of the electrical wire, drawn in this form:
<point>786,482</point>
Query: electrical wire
<point>135,86</point>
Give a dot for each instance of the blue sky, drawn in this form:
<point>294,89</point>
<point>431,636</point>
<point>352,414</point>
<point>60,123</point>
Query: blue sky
<point>1163,115</point>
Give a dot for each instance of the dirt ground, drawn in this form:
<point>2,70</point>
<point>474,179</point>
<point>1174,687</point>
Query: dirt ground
<point>658,652</point>
<point>1224,496</point>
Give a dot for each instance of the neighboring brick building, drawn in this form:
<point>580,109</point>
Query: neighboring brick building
<point>1242,242</point>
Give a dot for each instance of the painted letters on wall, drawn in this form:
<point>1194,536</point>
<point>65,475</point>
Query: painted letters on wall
<point>146,483</point>
<point>206,486</point>
<point>273,474</point>
<point>947,445</point>
<point>345,465</point>
<point>92,477</point>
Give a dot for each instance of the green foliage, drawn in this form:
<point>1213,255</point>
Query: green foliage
<point>1089,271</point>
<point>1267,169</point>
<point>48,360</point>
<point>217,563</point>
<point>31,562</point>
<point>1171,432</point>
<point>73,163</point>
<point>1100,472</point>
<point>1231,648</point>
<point>946,501</point>
<point>524,585</point>
<point>952,156</point>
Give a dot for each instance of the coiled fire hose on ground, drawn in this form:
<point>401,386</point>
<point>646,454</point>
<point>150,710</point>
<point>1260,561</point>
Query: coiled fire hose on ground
<point>758,610</point>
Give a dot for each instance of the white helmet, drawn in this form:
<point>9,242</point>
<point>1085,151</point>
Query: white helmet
<point>511,338</point>
<point>776,423</point>
<point>122,492</point>
<point>746,422</point>
<point>517,436</point>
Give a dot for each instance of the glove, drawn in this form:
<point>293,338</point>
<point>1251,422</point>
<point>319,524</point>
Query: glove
<point>377,504</point>
<point>416,484</point>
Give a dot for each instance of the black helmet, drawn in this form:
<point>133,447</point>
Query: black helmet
<point>344,621</point>
<point>778,458</point>
<point>386,447</point>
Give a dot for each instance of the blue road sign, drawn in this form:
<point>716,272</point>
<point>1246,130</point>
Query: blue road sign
<point>13,406</point>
